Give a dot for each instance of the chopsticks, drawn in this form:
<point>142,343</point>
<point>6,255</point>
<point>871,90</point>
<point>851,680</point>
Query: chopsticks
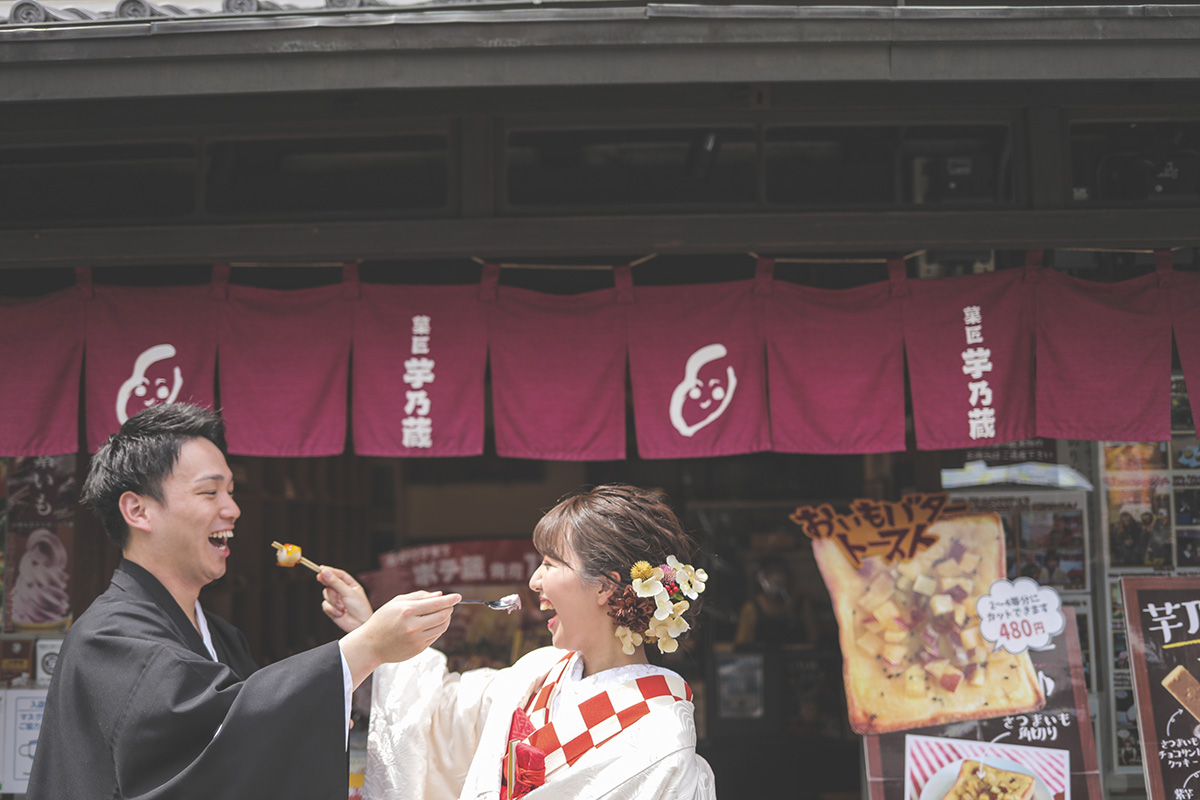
<point>315,567</point>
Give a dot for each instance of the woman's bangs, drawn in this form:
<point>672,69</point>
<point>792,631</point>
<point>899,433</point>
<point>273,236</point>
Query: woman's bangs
<point>550,535</point>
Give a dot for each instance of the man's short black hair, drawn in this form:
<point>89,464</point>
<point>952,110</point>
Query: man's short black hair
<point>140,456</point>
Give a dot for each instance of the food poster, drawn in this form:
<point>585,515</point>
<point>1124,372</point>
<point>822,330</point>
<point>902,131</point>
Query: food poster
<point>38,544</point>
<point>479,570</point>
<point>1045,534</point>
<point>930,629</point>
<point>1048,754</point>
<point>1162,616</point>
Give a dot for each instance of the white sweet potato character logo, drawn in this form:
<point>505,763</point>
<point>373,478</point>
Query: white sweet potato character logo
<point>151,383</point>
<point>1020,615</point>
<point>710,390</point>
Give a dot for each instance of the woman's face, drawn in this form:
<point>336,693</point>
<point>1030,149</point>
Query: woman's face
<point>580,607</point>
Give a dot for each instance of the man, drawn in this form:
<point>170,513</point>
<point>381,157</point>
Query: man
<point>153,698</point>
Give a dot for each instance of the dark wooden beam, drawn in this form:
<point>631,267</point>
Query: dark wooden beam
<point>509,237</point>
<point>662,44</point>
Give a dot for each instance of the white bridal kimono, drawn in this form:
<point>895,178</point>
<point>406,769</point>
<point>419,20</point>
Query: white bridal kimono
<point>437,735</point>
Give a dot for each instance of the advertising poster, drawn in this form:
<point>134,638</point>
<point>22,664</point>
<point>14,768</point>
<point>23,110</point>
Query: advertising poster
<point>1137,506</point>
<point>1045,533</point>
<point>1185,482</point>
<point>1044,755</point>
<point>931,631</point>
<point>1162,620</point>
<point>1126,747</point>
<point>38,544</point>
<point>486,569</point>
<point>22,709</point>
<point>963,683</point>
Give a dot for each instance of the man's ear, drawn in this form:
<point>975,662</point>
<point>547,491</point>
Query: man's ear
<point>135,510</point>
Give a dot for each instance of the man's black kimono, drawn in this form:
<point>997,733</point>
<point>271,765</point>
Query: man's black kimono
<point>138,709</point>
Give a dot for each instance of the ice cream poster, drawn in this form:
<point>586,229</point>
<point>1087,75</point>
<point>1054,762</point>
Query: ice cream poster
<point>38,544</point>
<point>1162,619</point>
<point>1048,754</point>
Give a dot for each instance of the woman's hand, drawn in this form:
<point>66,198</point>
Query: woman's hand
<point>345,601</point>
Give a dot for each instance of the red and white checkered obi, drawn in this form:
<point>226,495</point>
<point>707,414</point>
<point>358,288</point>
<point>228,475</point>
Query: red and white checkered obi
<point>577,729</point>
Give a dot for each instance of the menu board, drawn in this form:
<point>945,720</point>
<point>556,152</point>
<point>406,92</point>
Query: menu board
<point>1162,620</point>
<point>1044,755</point>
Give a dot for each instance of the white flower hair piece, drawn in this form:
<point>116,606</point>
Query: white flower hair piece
<point>629,639</point>
<point>670,585</point>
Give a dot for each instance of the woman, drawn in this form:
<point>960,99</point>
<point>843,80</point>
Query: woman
<point>589,717</point>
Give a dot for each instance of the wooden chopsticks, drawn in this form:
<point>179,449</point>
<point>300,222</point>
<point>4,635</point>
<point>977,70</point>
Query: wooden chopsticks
<point>315,567</point>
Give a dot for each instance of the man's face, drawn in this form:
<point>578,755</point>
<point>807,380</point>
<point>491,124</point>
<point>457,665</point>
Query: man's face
<point>188,529</point>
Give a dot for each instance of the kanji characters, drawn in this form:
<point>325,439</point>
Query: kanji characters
<point>977,360</point>
<point>417,425</point>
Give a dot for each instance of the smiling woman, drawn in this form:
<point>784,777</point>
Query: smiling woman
<point>614,577</point>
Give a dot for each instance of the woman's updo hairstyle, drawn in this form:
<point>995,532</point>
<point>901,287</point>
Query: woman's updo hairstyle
<point>604,530</point>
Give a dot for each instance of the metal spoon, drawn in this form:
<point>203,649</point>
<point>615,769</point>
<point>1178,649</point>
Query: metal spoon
<point>509,603</point>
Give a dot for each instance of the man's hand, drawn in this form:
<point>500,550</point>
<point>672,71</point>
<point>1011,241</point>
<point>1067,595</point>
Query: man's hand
<point>344,601</point>
<point>397,631</point>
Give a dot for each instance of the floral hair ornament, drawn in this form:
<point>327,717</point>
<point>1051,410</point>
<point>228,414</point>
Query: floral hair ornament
<point>651,609</point>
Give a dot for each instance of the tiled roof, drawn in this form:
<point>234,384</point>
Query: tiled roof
<point>26,13</point>
<point>36,12</point>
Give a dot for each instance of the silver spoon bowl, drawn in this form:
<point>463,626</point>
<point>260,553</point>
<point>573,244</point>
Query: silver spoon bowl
<point>509,603</point>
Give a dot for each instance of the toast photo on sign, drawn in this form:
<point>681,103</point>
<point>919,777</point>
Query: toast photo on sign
<point>913,655</point>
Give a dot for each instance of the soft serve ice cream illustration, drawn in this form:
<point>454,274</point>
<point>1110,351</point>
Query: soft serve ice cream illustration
<point>151,383</point>
<point>39,596</point>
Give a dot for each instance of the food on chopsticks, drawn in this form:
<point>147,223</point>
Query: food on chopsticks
<point>910,634</point>
<point>289,555</point>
